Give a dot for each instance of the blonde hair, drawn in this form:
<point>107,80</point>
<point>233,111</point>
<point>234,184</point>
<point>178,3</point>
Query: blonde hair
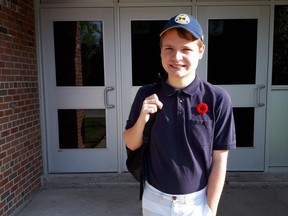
<point>182,33</point>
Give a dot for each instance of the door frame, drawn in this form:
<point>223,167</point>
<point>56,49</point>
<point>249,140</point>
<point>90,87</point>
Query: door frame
<point>247,95</point>
<point>75,160</point>
<point>123,106</point>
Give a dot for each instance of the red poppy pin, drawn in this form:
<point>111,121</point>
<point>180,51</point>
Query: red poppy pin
<point>202,108</point>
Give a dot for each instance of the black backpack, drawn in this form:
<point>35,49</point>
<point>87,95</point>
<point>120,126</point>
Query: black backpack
<point>136,159</point>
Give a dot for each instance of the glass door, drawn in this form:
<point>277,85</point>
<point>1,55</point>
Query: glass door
<point>79,81</point>
<point>140,50</point>
<point>236,59</point>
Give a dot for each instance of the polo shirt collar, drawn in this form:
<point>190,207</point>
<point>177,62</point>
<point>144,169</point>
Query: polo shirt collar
<point>190,89</point>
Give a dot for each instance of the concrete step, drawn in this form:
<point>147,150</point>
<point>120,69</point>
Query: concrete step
<point>233,179</point>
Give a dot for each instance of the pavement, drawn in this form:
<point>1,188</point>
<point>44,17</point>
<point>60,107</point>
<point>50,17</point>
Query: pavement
<point>107,195</point>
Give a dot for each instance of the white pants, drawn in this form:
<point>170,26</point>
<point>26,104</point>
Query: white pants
<point>157,203</point>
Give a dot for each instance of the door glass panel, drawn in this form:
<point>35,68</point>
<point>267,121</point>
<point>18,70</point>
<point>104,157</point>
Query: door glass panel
<point>244,124</point>
<point>146,61</point>
<point>80,129</point>
<point>280,53</point>
<point>79,53</point>
<point>232,51</point>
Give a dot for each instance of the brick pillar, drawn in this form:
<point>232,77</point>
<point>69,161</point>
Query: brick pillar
<point>20,137</point>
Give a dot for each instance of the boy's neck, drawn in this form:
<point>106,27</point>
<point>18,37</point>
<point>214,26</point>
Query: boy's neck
<point>180,83</point>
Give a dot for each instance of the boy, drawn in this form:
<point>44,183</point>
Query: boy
<point>193,130</point>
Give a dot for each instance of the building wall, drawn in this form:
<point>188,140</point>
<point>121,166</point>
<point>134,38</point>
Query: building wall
<point>20,138</point>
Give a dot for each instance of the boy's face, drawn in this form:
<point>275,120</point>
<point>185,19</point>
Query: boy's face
<point>179,56</point>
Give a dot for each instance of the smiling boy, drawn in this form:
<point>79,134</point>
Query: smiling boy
<point>186,163</point>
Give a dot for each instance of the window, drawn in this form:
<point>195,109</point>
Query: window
<point>232,54</point>
<point>79,53</point>
<point>280,46</point>
<point>146,61</point>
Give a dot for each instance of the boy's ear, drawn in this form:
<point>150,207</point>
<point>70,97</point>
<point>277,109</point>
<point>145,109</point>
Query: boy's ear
<point>201,51</point>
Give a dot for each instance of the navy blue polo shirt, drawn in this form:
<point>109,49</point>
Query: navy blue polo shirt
<point>182,140</point>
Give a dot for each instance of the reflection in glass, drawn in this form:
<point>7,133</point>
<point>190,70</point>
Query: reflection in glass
<point>244,123</point>
<point>146,61</point>
<point>80,129</point>
<point>232,51</point>
<point>280,49</point>
<point>79,53</point>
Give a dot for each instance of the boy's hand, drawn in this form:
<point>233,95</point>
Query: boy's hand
<point>150,105</point>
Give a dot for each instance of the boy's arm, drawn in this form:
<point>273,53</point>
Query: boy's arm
<point>134,135</point>
<point>217,178</point>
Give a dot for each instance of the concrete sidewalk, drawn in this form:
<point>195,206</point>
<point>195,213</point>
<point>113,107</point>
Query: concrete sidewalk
<point>122,199</point>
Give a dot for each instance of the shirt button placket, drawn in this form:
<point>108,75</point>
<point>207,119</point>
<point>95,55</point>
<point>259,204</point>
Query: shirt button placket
<point>180,104</point>
<point>180,113</point>
<point>179,107</point>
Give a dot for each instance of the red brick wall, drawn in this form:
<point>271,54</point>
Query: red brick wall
<point>20,141</point>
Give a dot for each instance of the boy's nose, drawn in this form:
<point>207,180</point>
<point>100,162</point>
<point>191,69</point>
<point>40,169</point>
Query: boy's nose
<point>178,55</point>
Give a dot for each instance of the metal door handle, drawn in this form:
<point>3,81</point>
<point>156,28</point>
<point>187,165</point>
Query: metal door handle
<point>106,90</point>
<point>258,95</point>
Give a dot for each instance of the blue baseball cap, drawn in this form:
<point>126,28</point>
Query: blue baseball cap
<point>187,22</point>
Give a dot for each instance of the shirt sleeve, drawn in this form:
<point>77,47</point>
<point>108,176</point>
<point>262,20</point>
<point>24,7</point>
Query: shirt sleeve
<point>224,134</point>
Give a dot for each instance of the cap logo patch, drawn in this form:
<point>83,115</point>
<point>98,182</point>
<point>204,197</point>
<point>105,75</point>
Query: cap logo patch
<point>182,19</point>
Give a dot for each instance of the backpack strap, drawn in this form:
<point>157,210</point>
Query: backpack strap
<point>146,140</point>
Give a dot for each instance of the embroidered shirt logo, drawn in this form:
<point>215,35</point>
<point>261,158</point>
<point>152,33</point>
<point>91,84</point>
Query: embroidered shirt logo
<point>182,19</point>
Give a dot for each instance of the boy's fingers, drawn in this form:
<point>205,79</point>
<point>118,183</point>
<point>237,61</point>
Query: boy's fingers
<point>157,101</point>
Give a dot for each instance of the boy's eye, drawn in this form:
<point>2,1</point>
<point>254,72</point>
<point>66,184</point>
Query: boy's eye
<point>168,49</point>
<point>187,50</point>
